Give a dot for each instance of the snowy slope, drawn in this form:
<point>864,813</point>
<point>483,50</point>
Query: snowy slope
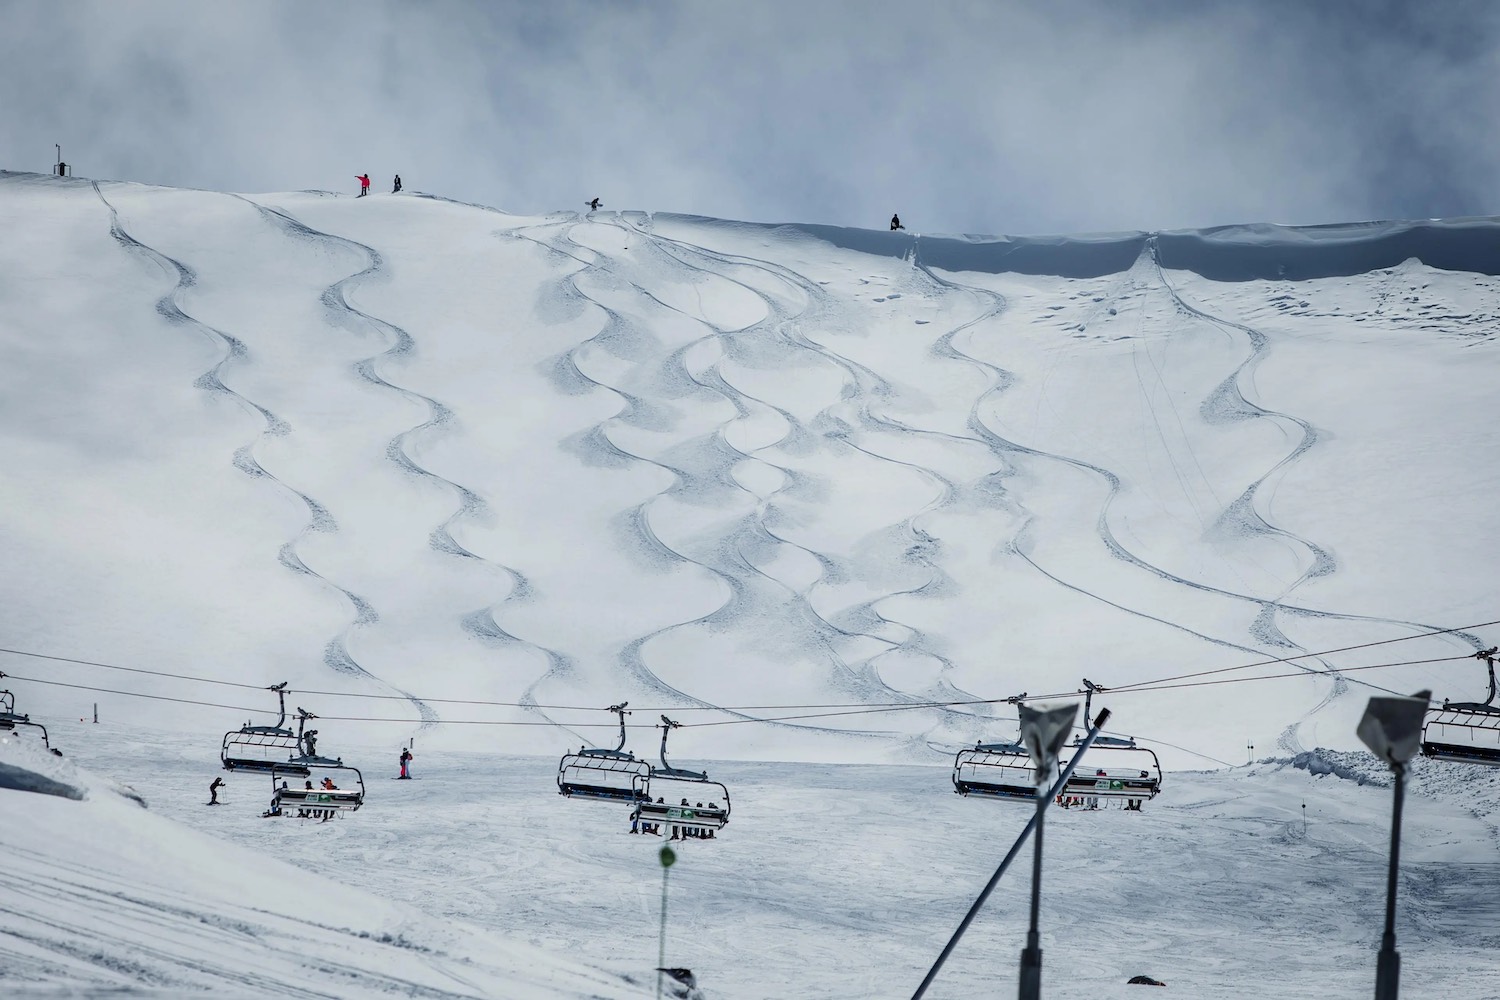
<point>835,881</point>
<point>105,897</point>
<point>417,457</point>
<point>424,450</point>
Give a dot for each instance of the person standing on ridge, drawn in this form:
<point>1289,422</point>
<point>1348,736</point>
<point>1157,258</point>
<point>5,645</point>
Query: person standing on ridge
<point>405,763</point>
<point>593,204</point>
<point>896,223</point>
<point>364,184</point>
<point>213,791</point>
<point>396,188</point>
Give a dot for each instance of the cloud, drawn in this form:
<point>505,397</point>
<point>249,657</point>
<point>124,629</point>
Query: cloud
<point>965,117</point>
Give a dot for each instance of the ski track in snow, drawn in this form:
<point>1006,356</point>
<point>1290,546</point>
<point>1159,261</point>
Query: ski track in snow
<point>336,655</point>
<point>833,423</point>
<point>335,299</point>
<point>833,426</point>
<point>1219,406</point>
<point>730,565</point>
<point>1263,629</point>
<point>637,522</point>
<point>319,519</point>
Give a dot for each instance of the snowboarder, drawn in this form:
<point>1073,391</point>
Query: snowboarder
<point>364,184</point>
<point>896,223</point>
<point>405,763</point>
<point>593,204</point>
<point>213,791</point>
<point>396,188</point>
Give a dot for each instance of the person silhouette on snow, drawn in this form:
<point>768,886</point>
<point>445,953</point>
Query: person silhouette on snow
<point>896,223</point>
<point>364,184</point>
<point>593,204</point>
<point>405,763</point>
<point>396,188</point>
<point>213,791</point>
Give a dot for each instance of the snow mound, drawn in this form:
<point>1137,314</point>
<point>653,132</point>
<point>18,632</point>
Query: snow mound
<point>105,897</point>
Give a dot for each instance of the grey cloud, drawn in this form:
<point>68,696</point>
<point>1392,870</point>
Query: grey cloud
<point>1080,115</point>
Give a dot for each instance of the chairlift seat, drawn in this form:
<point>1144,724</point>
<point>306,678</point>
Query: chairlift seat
<point>260,748</point>
<point>316,803</point>
<point>1464,733</point>
<point>1112,785</point>
<point>699,817</point>
<point>600,775</point>
<point>995,770</point>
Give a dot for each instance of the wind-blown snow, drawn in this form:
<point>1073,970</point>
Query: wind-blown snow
<point>414,449</point>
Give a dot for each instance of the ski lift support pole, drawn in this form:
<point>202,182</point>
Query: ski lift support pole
<point>984,894</point>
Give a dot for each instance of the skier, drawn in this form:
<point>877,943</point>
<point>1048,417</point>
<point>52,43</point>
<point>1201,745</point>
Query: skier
<point>593,204</point>
<point>396,188</point>
<point>896,223</point>
<point>405,763</point>
<point>329,785</point>
<point>364,184</point>
<point>213,791</point>
<point>310,740</point>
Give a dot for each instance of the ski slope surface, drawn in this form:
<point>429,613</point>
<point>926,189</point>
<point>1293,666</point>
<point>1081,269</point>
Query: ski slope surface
<point>824,496</point>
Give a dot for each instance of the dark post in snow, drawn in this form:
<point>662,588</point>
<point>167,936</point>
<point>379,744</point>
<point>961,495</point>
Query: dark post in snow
<point>1044,731</point>
<point>1392,729</point>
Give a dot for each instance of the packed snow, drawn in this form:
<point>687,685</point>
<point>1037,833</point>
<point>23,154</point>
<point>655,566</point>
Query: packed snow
<point>463,478</point>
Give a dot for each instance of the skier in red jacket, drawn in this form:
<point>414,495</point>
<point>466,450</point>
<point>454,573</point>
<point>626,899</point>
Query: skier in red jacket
<point>364,184</point>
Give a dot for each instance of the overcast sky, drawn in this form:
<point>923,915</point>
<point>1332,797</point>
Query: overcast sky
<point>989,117</point>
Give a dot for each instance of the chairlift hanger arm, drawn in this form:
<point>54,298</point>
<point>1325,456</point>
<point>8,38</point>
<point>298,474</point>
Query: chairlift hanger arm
<point>620,711</point>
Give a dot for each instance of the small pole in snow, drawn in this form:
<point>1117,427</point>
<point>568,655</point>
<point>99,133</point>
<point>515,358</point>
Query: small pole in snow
<point>668,858</point>
<point>1304,819</point>
<point>96,713</point>
<point>1250,750</point>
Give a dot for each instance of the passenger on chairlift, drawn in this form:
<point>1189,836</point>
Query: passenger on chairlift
<point>328,785</point>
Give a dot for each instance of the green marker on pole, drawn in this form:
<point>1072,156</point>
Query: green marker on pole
<point>668,859</point>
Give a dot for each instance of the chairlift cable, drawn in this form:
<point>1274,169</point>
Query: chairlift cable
<point>1305,656</point>
<point>895,706</point>
<point>133,670</point>
<point>860,710</point>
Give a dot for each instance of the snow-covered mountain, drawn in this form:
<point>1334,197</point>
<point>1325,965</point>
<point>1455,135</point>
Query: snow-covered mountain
<point>468,477</point>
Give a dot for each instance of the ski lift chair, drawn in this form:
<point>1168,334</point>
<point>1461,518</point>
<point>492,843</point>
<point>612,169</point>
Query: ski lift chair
<point>263,748</point>
<point>995,770</point>
<point>1129,775</point>
<point>597,773</point>
<point>316,802</point>
<point>10,719</point>
<point>1466,732</point>
<point>678,798</point>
